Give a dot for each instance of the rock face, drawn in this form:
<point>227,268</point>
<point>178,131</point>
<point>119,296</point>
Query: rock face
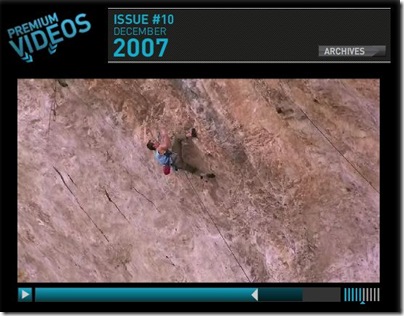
<point>295,198</point>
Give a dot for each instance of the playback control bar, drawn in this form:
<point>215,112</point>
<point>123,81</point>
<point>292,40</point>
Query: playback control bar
<point>43,294</point>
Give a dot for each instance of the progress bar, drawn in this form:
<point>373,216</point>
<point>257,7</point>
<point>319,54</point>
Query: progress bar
<point>187,294</point>
<point>146,295</point>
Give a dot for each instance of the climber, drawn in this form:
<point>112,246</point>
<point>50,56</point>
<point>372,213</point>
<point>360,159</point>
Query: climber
<point>174,157</point>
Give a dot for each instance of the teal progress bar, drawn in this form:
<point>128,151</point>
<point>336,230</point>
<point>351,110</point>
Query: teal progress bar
<point>146,295</point>
<point>170,294</point>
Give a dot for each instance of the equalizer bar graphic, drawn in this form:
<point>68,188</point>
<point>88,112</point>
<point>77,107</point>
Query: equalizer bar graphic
<point>362,295</point>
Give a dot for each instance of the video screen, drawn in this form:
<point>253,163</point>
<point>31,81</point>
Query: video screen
<point>200,157</point>
<point>264,191</point>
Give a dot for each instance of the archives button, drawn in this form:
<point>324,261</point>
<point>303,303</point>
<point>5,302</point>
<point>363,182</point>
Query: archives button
<point>351,51</point>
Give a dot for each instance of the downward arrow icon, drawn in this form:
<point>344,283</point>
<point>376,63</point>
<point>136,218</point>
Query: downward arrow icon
<point>27,58</point>
<point>52,48</point>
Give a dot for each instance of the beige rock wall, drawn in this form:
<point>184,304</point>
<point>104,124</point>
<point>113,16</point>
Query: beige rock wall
<point>296,197</point>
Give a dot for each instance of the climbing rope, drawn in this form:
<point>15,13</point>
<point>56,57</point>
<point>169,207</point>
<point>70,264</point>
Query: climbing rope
<point>331,143</point>
<point>217,228</point>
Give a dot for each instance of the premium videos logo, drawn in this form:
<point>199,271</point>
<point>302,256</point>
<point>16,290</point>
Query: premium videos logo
<point>45,32</point>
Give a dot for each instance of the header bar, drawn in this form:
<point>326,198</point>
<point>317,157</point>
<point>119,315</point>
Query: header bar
<point>246,35</point>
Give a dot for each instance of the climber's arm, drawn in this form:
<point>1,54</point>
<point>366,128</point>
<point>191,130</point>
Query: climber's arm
<point>165,142</point>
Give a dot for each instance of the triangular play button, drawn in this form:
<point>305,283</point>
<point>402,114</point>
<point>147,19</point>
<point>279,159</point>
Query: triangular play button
<point>255,294</point>
<point>24,294</point>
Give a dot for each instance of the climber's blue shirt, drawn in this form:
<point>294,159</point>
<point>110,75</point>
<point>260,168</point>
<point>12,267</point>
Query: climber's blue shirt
<point>162,159</point>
